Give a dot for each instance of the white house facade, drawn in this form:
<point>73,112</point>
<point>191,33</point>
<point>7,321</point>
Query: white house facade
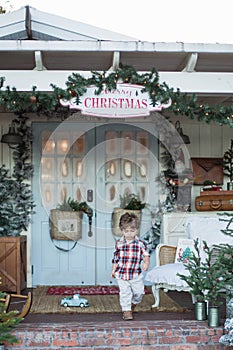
<point>96,157</point>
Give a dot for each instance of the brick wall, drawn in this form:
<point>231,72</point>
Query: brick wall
<point>161,335</point>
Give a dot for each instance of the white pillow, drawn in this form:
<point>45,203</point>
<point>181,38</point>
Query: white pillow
<point>185,247</point>
<point>167,274</point>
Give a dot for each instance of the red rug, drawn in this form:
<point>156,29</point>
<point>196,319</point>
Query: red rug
<point>93,290</point>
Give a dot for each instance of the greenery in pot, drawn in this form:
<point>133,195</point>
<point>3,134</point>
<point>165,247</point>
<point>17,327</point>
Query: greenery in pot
<point>207,274</point>
<point>195,279</point>
<point>214,279</point>
<point>73,205</point>
<point>131,202</point>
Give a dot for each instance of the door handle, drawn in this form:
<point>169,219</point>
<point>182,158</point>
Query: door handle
<point>90,195</point>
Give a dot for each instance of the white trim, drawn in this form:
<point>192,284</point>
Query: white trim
<point>109,45</point>
<point>203,83</point>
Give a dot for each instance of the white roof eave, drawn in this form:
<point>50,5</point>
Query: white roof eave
<point>112,45</point>
<point>212,83</point>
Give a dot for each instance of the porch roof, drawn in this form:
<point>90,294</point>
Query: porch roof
<point>38,48</point>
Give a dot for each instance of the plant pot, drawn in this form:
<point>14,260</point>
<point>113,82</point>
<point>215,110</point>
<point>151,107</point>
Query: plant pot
<point>65,225</point>
<point>200,310</point>
<point>116,215</point>
<point>229,186</point>
<point>213,316</point>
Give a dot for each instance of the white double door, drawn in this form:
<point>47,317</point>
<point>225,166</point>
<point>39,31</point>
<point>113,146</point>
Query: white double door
<point>95,163</point>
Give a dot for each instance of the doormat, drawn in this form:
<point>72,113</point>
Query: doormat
<point>51,304</point>
<point>87,290</point>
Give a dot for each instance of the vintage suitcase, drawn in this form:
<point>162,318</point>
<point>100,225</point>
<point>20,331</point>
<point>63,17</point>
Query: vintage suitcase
<point>214,201</point>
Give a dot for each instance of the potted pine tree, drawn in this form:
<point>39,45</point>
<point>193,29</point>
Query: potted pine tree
<point>16,208</point>
<point>207,279</point>
<point>195,281</point>
<point>214,283</point>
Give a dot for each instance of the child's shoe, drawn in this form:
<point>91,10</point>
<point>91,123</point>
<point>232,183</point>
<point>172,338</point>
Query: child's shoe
<point>127,315</point>
<point>133,306</point>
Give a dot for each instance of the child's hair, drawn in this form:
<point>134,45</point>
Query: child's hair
<point>129,220</point>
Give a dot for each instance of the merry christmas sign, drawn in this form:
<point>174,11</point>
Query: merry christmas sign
<point>125,101</point>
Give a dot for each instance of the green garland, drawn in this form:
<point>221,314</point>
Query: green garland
<point>76,85</point>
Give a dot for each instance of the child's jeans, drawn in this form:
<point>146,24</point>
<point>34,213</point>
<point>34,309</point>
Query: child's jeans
<point>131,292</point>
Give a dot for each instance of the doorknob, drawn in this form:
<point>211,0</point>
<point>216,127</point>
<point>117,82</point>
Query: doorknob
<point>90,195</point>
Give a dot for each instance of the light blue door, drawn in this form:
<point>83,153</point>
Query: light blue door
<point>94,163</point>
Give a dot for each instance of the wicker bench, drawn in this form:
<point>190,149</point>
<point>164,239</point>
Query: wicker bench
<point>164,274</point>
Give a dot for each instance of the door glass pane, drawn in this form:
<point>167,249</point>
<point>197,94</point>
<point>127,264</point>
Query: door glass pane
<point>111,169</point>
<point>47,143</point>
<point>142,142</point>
<point>78,168</point>
<point>63,144</point>
<point>127,169</point>
<point>47,169</point>
<point>78,144</point>
<point>142,168</point>
<point>111,142</point>
<point>127,143</point>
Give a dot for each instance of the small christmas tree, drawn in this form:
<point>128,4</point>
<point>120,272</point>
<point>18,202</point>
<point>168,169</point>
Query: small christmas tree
<point>195,278</point>
<point>205,277</point>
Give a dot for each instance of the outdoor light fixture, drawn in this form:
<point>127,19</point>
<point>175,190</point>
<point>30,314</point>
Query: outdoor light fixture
<point>12,138</point>
<point>179,137</point>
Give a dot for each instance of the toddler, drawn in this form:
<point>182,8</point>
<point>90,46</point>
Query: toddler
<point>129,253</point>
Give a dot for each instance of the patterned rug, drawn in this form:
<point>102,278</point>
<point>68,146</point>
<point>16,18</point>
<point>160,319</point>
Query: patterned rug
<point>87,290</point>
<point>44,303</point>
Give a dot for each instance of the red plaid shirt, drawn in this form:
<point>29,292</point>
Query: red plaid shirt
<point>128,257</point>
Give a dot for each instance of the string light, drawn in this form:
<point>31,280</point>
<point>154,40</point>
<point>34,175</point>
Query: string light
<point>48,103</point>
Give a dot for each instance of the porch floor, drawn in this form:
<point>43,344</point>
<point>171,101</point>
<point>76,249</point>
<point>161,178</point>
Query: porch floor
<point>148,330</point>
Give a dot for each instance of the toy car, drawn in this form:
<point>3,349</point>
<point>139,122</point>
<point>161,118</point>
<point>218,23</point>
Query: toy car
<point>75,300</point>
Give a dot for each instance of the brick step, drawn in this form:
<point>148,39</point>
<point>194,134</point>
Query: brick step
<point>134,335</point>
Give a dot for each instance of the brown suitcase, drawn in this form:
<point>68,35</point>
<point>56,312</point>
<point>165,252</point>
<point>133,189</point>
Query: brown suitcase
<point>214,201</point>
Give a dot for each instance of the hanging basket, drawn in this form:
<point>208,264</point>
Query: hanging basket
<point>65,225</point>
<point>116,215</point>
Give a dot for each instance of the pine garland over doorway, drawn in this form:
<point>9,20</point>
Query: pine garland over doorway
<point>47,103</point>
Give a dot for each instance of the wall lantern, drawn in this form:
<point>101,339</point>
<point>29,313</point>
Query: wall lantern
<point>179,137</point>
<point>12,138</point>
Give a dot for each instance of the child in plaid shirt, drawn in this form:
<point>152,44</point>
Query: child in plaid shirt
<point>129,252</point>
